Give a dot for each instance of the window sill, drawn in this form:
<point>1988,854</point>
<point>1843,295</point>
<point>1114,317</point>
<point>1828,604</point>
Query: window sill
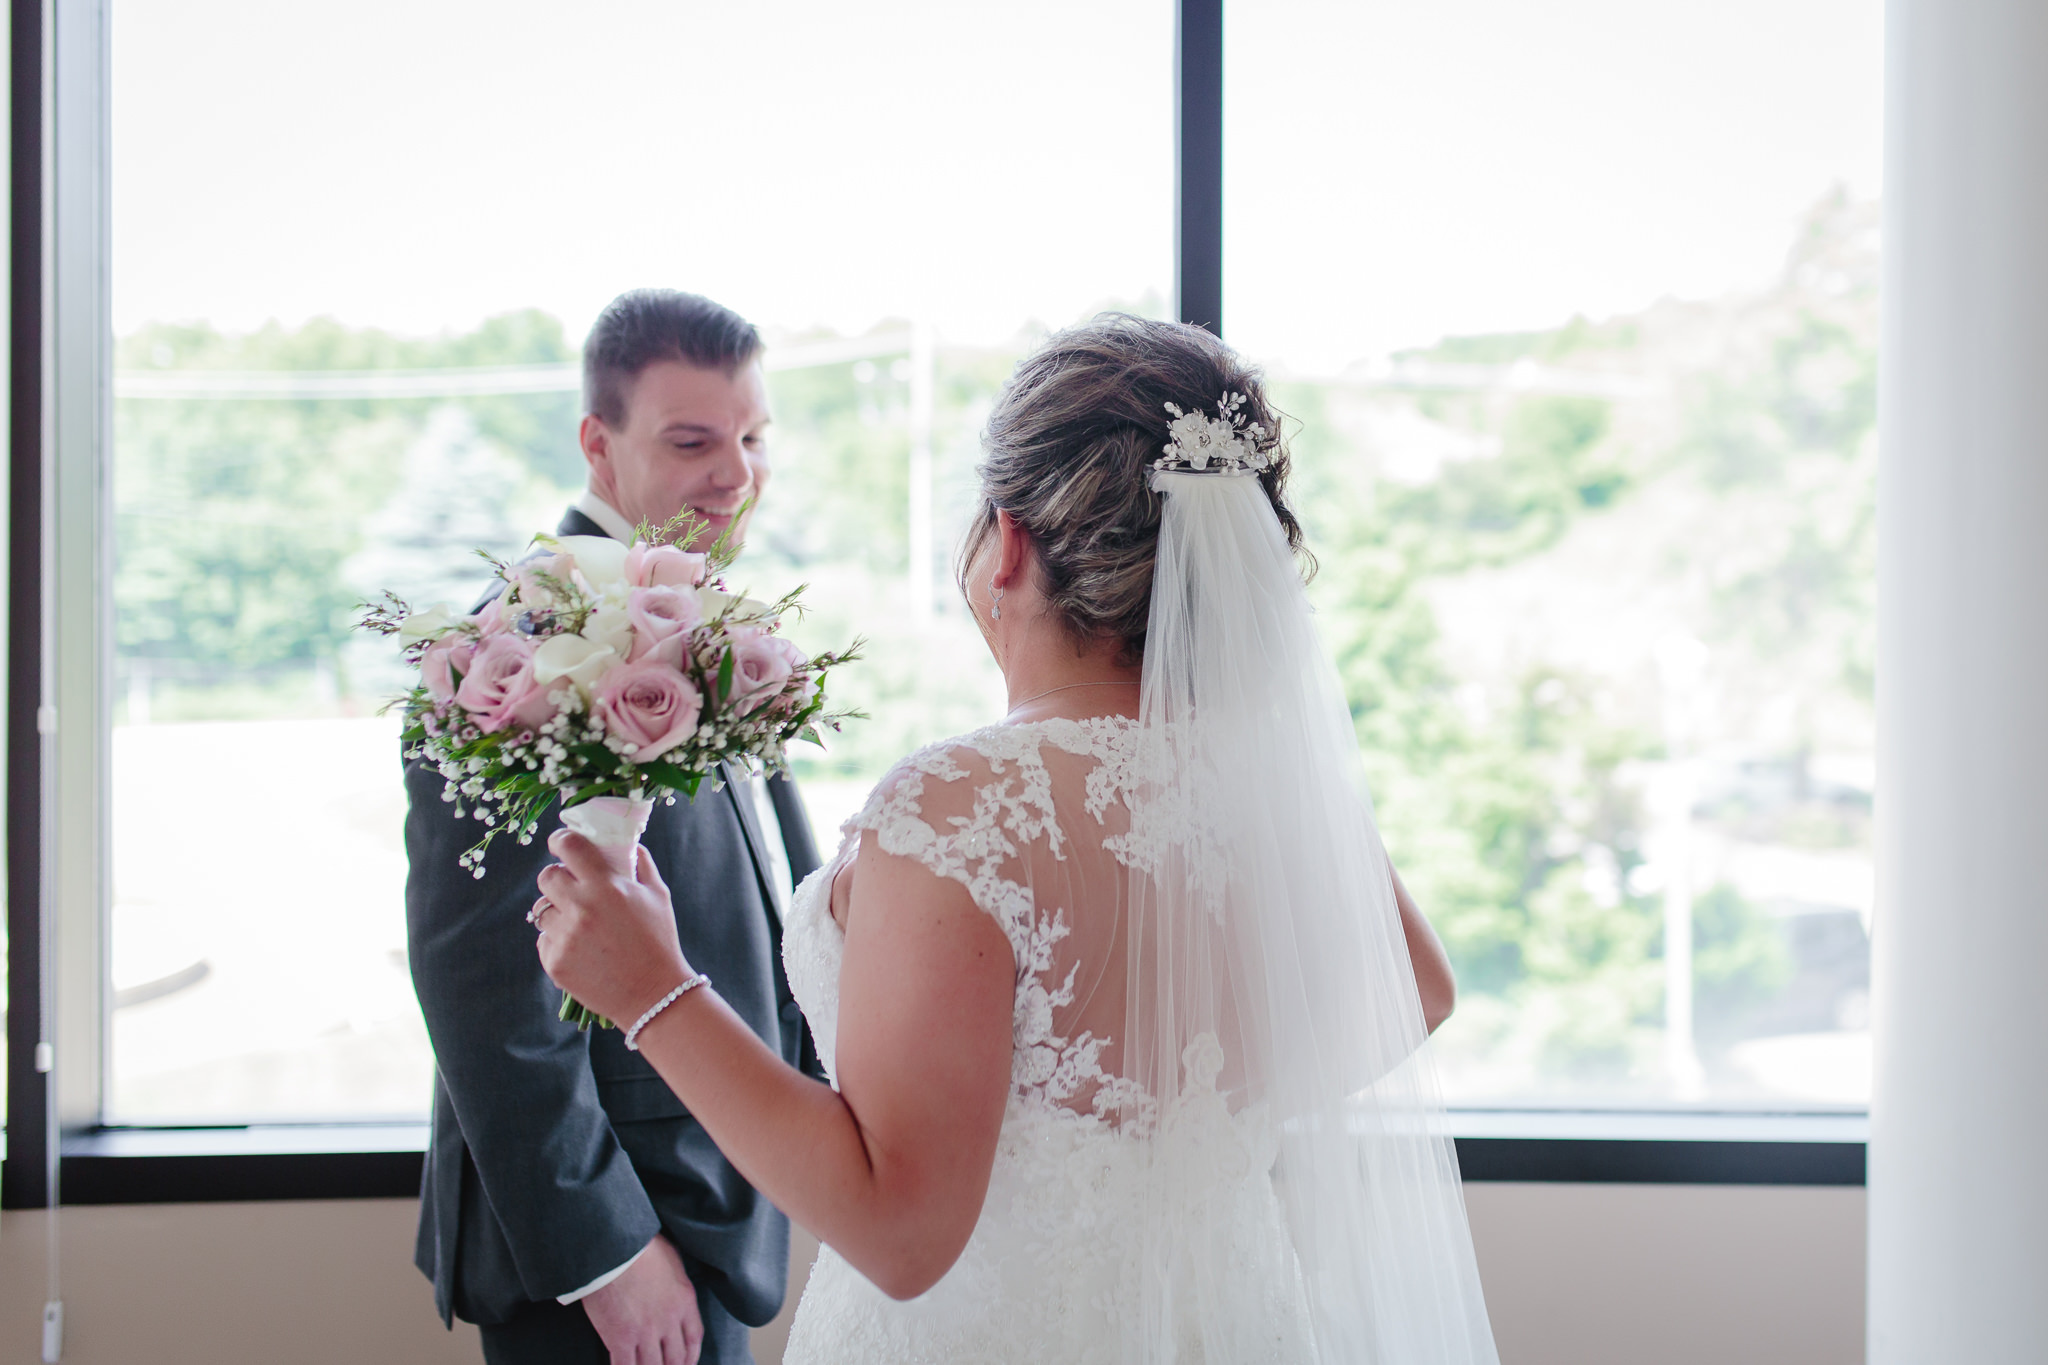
<point>1669,1147</point>
<point>382,1161</point>
<point>212,1165</point>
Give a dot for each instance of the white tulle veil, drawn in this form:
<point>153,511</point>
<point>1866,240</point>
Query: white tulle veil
<point>1266,951</point>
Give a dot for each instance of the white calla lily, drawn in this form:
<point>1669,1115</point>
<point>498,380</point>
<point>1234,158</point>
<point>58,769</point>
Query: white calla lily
<point>612,629</point>
<point>430,624</point>
<point>572,657</point>
<point>743,609</point>
<point>601,559</point>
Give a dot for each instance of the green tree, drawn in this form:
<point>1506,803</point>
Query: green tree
<point>1513,809</point>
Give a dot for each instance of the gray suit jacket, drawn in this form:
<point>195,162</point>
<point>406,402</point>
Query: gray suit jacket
<point>556,1155</point>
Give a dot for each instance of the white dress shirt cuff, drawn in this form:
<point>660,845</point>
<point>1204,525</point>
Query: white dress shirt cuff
<point>601,1281</point>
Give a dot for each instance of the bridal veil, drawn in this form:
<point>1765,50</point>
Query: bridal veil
<point>1269,979</point>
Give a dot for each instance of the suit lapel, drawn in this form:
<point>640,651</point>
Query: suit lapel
<point>575,523</point>
<point>797,840</point>
<point>750,826</point>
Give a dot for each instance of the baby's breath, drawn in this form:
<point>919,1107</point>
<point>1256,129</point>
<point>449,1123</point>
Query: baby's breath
<point>506,779</point>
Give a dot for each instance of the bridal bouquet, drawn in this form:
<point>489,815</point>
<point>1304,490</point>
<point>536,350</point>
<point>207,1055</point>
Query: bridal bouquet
<point>607,675</point>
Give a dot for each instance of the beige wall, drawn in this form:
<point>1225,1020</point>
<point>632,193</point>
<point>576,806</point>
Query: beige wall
<point>1671,1274</point>
<point>228,1284</point>
<point>1577,1274</point>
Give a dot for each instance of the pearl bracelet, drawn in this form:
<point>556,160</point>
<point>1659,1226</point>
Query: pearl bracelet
<point>633,1033</point>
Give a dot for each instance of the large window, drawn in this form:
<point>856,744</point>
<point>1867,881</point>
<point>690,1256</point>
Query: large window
<point>1576,304</point>
<point>355,249</point>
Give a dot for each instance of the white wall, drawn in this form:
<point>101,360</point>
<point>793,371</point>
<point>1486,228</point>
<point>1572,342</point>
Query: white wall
<point>1959,1099</point>
<point>1575,1275</point>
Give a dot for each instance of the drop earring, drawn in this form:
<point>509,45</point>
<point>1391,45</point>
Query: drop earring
<point>995,605</point>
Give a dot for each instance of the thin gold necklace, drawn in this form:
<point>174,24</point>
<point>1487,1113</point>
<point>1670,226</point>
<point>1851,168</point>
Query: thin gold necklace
<point>1067,688</point>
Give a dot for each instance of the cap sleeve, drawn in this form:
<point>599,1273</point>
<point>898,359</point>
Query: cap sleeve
<point>967,817</point>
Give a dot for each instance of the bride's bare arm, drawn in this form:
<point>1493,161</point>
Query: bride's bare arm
<point>891,1170</point>
<point>1434,980</point>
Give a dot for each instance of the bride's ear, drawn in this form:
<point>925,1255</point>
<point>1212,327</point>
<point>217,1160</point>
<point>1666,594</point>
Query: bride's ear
<point>1013,551</point>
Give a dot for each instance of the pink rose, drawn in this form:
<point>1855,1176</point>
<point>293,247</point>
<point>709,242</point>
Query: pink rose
<point>662,618</point>
<point>489,618</point>
<point>500,687</point>
<point>650,706</point>
<point>527,583</point>
<point>445,658</point>
<point>801,696</point>
<point>761,665</point>
<point>663,566</point>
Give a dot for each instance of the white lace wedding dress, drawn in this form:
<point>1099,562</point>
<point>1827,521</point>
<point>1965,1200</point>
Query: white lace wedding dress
<point>1037,822</point>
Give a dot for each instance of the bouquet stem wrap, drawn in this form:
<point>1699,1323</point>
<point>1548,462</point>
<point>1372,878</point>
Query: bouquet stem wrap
<point>614,824</point>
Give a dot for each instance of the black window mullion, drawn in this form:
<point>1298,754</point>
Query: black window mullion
<point>1198,163</point>
<point>24,1180</point>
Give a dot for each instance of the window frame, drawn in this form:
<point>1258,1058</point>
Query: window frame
<point>60,642</point>
<point>27,1170</point>
<point>60,617</point>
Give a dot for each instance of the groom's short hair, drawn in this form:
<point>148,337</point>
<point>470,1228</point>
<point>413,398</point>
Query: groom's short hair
<point>642,326</point>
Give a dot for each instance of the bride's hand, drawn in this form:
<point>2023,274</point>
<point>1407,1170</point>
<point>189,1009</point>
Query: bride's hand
<point>607,941</point>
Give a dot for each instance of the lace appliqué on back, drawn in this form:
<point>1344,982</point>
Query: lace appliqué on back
<point>1012,809</point>
<point>1174,812</point>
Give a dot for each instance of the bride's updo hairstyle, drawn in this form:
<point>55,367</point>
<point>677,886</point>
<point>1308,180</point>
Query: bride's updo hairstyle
<point>1067,451</point>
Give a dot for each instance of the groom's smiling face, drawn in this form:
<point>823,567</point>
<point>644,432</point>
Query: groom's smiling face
<point>693,439</point>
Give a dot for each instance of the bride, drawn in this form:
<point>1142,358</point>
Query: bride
<point>1125,1010</point>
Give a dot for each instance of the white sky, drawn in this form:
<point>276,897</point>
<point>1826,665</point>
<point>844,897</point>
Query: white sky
<point>1400,169</point>
<point>1396,169</point>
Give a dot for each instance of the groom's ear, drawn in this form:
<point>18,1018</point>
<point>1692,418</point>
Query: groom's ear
<point>596,442</point>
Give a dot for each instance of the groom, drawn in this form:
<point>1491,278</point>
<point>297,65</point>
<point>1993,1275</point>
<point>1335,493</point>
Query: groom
<point>571,1207</point>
